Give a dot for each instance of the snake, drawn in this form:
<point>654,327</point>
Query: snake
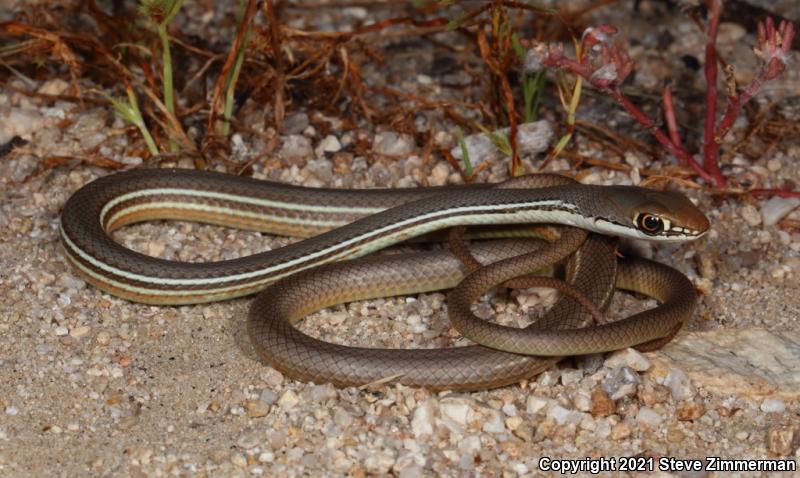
<point>342,225</point>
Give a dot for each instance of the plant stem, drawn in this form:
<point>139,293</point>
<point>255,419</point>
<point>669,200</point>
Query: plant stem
<point>166,58</point>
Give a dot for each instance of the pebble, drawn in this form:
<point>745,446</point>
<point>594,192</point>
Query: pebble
<point>470,445</point>
<point>602,429</point>
<point>563,415</point>
<point>675,435</point>
<point>457,409</point>
<point>773,405</point>
<point>295,124</point>
<point>256,408</point>
<point>329,144</point>
<point>296,146</point>
<point>535,404</point>
<point>781,438</point>
<point>510,409</point>
<point>268,396</point>
<point>582,400</point>
<point>80,331</point>
<point>494,422</point>
<point>248,440</point>
<point>602,404</point>
<point>61,331</point>
<point>620,431</point>
<point>424,416</point>
<point>629,358</point>
<point>239,460</point>
<point>103,338</point>
<point>389,143</point>
<point>12,410</point>
<point>379,463</point>
<point>288,400</point>
<point>570,376</point>
<point>649,417</point>
<point>513,423</point>
<point>690,411</point>
<point>750,215</point>
<point>439,174</point>
<point>342,417</point>
<point>621,382</point>
<point>776,208</point>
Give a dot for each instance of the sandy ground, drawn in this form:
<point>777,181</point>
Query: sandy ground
<point>94,385</point>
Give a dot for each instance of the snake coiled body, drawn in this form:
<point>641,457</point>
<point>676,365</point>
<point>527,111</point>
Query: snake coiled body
<point>363,222</point>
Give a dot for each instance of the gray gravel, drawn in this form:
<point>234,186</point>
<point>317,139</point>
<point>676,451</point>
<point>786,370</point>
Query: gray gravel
<point>94,385</point>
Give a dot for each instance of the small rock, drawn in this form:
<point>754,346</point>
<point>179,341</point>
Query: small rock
<point>629,358</point>
<point>295,124</point>
<point>534,404</point>
<point>53,87</point>
<point>439,174</point>
<point>590,363</point>
<point>256,408</point>
<point>470,445</point>
<point>570,376</point>
<point>103,338</point>
<point>776,208</point>
<point>12,410</point>
<point>79,332</point>
<point>268,396</point>
<point>582,400</point>
<point>751,215</point>
<point>621,382</point>
<point>602,429</point>
<point>509,409</point>
<point>342,417</point>
<point>424,415</point>
<point>563,416</point>
<point>329,144</point>
<point>456,409</point>
<point>602,405</point>
<point>773,405</point>
<point>649,417</point>
<point>296,146</point>
<point>494,421</point>
<point>389,143</point>
<point>379,463</point>
<point>620,431</point>
<point>679,385</point>
<point>514,422</point>
<point>288,400</point>
<point>248,441</point>
<point>781,439</point>
<point>61,331</point>
<point>690,411</point>
<point>675,435</point>
<point>239,460</point>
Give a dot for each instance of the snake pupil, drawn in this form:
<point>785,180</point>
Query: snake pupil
<point>650,224</point>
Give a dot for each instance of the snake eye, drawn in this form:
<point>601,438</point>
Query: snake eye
<point>649,224</point>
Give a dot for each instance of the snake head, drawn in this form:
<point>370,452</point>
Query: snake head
<point>657,215</point>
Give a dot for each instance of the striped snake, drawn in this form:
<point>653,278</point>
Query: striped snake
<point>345,224</point>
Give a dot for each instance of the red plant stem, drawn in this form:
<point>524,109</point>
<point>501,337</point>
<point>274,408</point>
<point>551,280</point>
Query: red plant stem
<point>784,193</point>
<point>735,104</point>
<point>681,154</point>
<point>671,120</point>
<point>712,141</point>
